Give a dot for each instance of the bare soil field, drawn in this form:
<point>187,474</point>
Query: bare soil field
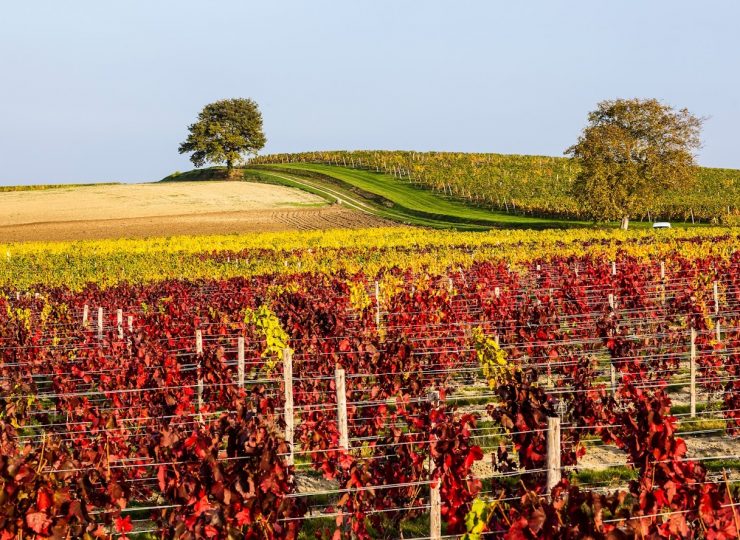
<point>182,208</point>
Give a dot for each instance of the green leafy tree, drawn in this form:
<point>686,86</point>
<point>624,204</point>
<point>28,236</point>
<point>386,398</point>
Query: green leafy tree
<point>225,131</point>
<point>631,150</point>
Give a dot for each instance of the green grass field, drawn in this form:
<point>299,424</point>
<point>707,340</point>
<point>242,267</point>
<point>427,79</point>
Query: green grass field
<point>400,201</point>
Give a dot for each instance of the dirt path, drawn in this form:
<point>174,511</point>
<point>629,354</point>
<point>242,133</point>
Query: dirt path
<point>347,200</point>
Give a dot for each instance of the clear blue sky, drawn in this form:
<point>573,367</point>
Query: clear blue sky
<point>103,91</point>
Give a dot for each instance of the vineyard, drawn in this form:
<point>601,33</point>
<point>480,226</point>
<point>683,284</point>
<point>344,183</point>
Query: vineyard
<point>526,185</point>
<point>582,385</point>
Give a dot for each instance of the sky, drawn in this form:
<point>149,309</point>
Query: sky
<point>95,91</point>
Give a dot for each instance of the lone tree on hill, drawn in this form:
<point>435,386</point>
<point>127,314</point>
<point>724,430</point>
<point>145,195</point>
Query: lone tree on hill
<point>631,150</point>
<point>225,131</point>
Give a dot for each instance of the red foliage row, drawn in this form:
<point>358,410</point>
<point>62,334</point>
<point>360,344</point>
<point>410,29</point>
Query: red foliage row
<point>117,421</point>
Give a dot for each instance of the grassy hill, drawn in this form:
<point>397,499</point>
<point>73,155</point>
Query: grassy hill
<point>473,191</point>
<point>388,197</point>
<point>531,186</point>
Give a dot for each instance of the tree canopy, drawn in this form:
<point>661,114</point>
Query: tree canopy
<point>629,152</point>
<point>226,130</point>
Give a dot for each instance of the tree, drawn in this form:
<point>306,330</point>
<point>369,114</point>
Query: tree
<point>225,131</point>
<point>631,150</point>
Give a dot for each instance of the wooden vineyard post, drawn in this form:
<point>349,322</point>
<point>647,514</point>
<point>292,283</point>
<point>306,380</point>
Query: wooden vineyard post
<point>100,323</point>
<point>240,361</point>
<point>662,282</point>
<point>716,298</point>
<point>611,301</point>
<point>435,512</point>
<point>614,268</point>
<point>199,352</point>
<point>130,323</point>
<point>85,314</point>
<point>198,342</point>
<point>496,292</point>
<point>717,324</point>
<point>435,499</point>
<point>377,304</point>
<point>288,411</point>
<point>692,373</point>
<point>553,452</point>
<point>341,408</point>
<point>119,323</point>
<point>613,370</point>
<point>462,276</point>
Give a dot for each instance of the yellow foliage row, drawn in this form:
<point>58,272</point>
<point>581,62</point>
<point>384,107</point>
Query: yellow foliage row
<point>108,262</point>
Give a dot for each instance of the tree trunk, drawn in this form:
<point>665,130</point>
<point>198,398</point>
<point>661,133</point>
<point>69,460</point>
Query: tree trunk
<point>229,167</point>
<point>625,223</point>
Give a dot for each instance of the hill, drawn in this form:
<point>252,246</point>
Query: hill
<point>533,186</point>
<point>393,199</point>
